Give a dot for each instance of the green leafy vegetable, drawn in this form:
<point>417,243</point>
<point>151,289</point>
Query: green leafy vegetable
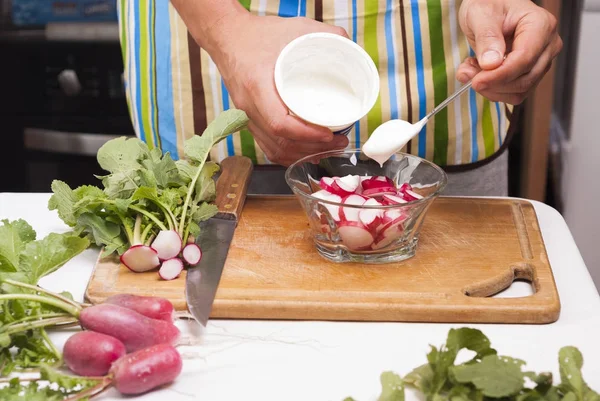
<point>495,376</point>
<point>487,376</point>
<point>145,186</point>
<point>392,387</point>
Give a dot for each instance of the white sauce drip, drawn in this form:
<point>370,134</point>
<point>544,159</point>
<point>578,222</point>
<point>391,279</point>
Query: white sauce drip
<point>390,138</point>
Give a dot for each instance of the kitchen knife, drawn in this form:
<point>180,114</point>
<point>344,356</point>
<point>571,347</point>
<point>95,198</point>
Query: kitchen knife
<point>215,237</point>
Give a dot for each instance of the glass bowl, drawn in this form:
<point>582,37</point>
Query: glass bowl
<point>360,211</point>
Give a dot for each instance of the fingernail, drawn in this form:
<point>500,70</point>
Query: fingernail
<point>491,57</point>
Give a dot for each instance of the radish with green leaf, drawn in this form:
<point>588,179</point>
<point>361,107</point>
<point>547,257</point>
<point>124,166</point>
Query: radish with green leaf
<point>148,201</point>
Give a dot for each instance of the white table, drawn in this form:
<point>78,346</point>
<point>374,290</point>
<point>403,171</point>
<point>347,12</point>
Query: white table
<point>271,360</point>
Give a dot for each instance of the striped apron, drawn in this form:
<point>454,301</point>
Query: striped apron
<point>174,89</point>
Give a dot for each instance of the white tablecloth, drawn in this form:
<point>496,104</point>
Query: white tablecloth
<point>272,360</point>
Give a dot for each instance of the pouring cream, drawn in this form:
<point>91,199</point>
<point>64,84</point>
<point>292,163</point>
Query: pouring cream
<point>389,138</point>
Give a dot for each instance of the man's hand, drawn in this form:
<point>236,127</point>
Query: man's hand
<point>245,57</point>
<point>519,30</point>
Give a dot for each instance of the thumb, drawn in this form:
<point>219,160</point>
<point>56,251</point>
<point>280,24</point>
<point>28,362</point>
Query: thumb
<point>489,41</point>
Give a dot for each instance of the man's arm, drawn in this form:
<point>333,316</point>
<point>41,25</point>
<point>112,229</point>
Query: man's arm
<point>208,20</point>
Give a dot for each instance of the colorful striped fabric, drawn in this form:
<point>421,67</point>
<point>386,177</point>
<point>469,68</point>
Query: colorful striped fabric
<point>174,89</point>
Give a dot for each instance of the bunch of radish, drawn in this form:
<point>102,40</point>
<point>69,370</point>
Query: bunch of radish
<point>361,225</point>
<point>129,342</point>
<point>167,251</point>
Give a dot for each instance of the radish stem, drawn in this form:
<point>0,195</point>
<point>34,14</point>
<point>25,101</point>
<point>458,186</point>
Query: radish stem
<point>67,307</point>
<point>40,289</point>
<point>128,231</point>
<point>147,229</point>
<point>137,239</point>
<point>150,216</point>
<point>36,325</point>
<point>191,189</point>
<point>92,391</point>
<point>50,344</point>
<point>36,317</point>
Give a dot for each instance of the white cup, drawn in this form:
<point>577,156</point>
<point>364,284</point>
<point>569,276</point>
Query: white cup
<point>327,80</point>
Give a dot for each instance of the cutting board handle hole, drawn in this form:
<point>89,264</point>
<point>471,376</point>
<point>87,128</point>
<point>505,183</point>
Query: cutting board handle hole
<point>517,282</point>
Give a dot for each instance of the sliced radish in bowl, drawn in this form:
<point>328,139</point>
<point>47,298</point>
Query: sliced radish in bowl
<point>355,236</point>
<point>377,182</point>
<point>326,183</point>
<point>333,210</point>
<point>379,192</point>
<point>389,199</point>
<point>351,213</point>
<point>371,218</point>
<point>346,185</point>
<point>411,195</point>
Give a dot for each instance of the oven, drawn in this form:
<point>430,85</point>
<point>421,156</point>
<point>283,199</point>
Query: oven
<point>62,99</point>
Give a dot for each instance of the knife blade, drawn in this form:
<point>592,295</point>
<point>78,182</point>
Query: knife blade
<point>215,237</point>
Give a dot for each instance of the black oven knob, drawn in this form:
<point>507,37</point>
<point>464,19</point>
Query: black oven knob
<point>69,82</point>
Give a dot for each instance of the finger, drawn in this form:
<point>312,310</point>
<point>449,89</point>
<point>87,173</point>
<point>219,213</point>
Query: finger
<point>285,151</point>
<point>528,81</point>
<point>467,70</point>
<point>485,20</point>
<point>530,40</point>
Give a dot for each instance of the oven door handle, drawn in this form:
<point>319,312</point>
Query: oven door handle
<point>72,143</point>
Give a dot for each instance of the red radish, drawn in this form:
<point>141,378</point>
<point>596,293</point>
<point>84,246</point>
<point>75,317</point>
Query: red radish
<point>140,258</point>
<point>393,217</point>
<point>170,269</point>
<point>146,369</point>
<point>378,182</point>
<point>380,191</point>
<point>364,178</point>
<point>168,244</point>
<point>371,218</point>
<point>326,183</point>
<point>87,353</point>
<point>411,195</point>
<point>355,236</point>
<point>333,209</point>
<point>135,330</point>
<point>405,186</point>
<point>389,199</point>
<point>350,213</point>
<point>346,185</point>
<point>152,307</point>
<point>192,254</point>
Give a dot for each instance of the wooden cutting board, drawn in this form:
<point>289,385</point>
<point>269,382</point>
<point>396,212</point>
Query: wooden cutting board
<point>469,249</point>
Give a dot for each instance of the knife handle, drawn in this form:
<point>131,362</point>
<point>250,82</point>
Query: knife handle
<point>232,186</point>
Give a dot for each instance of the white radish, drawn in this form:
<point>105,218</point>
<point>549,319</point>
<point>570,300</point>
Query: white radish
<point>140,258</point>
<point>350,213</point>
<point>355,236</point>
<point>192,254</point>
<point>168,244</point>
<point>371,218</point>
<point>334,210</point>
<point>411,195</point>
<point>170,269</point>
<point>346,185</point>
<point>390,199</point>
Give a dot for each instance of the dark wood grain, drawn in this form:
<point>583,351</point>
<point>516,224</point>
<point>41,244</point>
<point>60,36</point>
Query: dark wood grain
<point>232,186</point>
